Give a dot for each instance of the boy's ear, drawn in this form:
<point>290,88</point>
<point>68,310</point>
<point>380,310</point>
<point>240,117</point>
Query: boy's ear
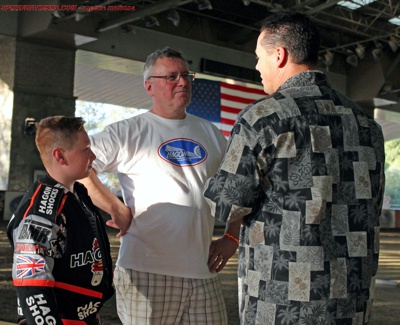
<point>58,155</point>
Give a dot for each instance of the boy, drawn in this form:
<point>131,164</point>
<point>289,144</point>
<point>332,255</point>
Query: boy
<point>62,268</point>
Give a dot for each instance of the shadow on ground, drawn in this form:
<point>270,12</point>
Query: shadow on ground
<point>386,308</point>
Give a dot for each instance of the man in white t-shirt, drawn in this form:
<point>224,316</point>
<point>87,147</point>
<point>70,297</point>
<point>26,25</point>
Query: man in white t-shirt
<point>162,159</point>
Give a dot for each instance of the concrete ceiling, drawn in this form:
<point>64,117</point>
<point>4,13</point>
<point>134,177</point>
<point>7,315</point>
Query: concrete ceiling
<point>106,79</point>
<point>232,26</point>
<point>113,44</point>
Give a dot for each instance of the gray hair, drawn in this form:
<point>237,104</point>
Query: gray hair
<point>166,52</point>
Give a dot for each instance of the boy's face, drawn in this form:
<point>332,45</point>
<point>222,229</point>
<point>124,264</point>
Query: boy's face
<point>79,157</point>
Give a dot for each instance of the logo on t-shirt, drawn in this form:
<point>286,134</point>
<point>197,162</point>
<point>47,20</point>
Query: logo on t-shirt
<point>182,152</point>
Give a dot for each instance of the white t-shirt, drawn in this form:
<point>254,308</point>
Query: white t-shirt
<point>162,166</point>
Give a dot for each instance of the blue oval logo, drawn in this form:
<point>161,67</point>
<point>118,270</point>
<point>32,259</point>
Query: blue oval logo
<point>182,152</point>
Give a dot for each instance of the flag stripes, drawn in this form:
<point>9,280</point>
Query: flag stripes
<point>233,99</point>
<point>221,102</point>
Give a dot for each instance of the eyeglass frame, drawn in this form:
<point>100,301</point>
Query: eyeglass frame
<point>189,76</point>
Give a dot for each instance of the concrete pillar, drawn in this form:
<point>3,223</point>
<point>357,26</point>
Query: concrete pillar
<point>36,80</point>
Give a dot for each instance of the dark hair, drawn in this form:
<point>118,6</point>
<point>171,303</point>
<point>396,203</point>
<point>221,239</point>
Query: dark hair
<point>296,33</point>
<point>56,131</point>
<point>166,52</point>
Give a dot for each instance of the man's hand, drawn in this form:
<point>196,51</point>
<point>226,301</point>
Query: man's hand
<point>121,215</point>
<point>221,250</point>
<point>121,220</point>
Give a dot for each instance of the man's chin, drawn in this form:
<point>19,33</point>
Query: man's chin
<point>185,100</point>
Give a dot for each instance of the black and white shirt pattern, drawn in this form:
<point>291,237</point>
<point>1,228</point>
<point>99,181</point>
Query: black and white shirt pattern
<point>304,168</point>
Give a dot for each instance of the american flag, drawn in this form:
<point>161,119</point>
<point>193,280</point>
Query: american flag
<point>28,266</point>
<point>221,102</point>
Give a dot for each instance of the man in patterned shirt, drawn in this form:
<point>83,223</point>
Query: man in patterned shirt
<point>304,175</point>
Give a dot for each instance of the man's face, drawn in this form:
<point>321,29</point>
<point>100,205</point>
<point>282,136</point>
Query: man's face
<point>169,95</point>
<point>266,64</point>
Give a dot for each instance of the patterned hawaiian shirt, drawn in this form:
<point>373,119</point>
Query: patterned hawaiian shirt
<point>304,168</point>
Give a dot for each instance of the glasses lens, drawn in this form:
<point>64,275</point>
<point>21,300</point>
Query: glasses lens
<point>172,78</point>
<point>188,76</point>
<point>176,78</point>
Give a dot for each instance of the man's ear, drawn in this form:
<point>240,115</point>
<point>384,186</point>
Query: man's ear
<point>282,56</point>
<point>149,87</point>
<point>59,156</point>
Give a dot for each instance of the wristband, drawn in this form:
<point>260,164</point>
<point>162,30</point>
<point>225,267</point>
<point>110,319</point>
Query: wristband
<point>231,237</point>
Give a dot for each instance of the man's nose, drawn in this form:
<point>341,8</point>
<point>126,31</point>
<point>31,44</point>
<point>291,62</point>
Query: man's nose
<point>183,80</point>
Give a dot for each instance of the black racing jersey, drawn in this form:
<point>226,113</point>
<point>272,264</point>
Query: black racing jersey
<point>62,267</point>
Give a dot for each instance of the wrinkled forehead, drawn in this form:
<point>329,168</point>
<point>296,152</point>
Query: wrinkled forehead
<point>170,65</point>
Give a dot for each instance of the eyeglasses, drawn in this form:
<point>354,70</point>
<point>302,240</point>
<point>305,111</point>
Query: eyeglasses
<point>174,78</point>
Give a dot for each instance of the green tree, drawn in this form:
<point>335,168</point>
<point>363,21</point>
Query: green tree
<point>392,171</point>
<point>97,116</point>
<point>392,149</point>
